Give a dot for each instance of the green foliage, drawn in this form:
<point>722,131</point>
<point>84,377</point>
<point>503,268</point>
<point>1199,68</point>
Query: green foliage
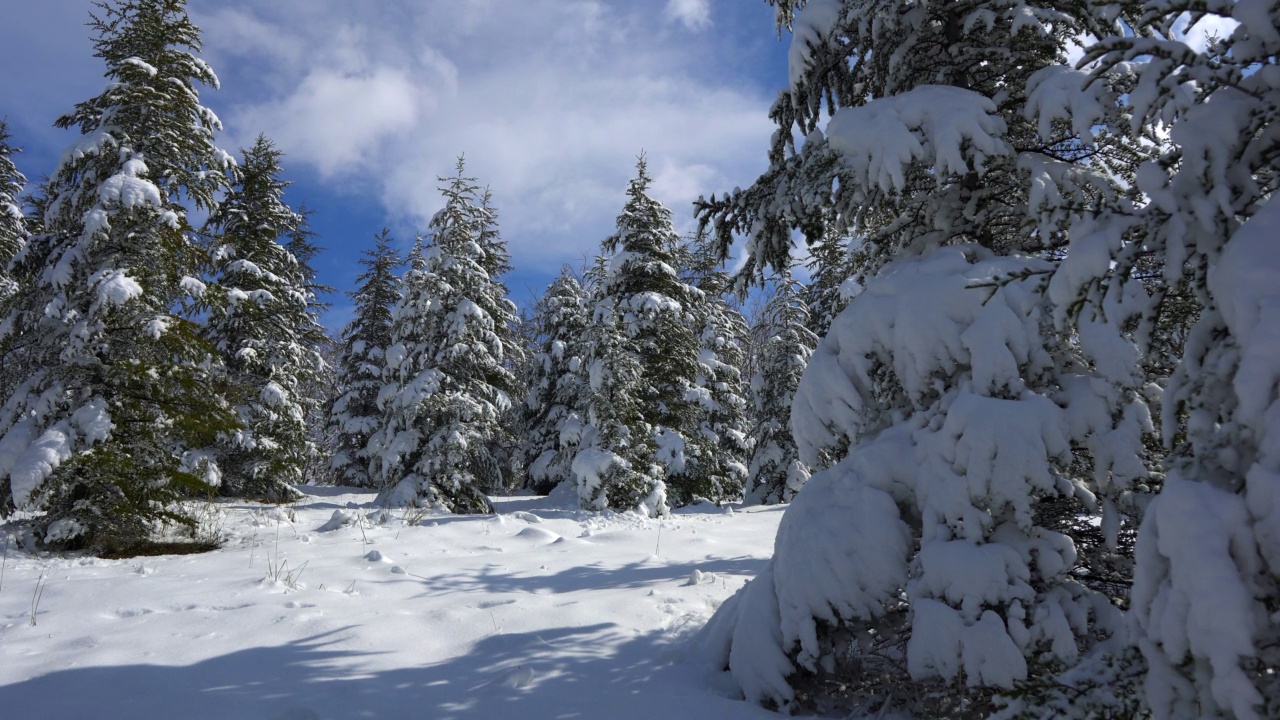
<point>442,439</point>
<point>556,382</point>
<point>263,318</point>
<point>354,414</point>
<point>120,392</point>
<point>652,306</point>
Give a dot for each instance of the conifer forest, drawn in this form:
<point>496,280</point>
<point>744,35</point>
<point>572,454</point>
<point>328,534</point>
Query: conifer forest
<point>966,406</point>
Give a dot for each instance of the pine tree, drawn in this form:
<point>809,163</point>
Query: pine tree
<point>961,419</point>
<point>776,473</point>
<point>13,230</point>
<point>105,431</point>
<point>722,444</point>
<point>1191,268</point>
<point>643,292</point>
<point>449,386</point>
<point>13,238</point>
<point>613,466</point>
<point>265,324</point>
<point>556,380</point>
<point>354,415</point>
<point>319,389</point>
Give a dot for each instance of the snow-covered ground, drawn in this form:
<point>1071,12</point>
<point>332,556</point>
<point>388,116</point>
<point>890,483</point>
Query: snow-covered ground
<point>536,612</point>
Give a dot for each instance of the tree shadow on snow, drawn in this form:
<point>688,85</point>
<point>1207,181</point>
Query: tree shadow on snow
<point>584,672</point>
<point>494,578</point>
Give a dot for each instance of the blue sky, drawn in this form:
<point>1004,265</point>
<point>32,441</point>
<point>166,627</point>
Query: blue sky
<point>550,100</point>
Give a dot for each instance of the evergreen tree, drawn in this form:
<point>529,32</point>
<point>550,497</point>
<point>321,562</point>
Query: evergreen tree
<point>1191,268</point>
<point>318,390</point>
<point>614,466</point>
<point>961,419</point>
<point>643,292</point>
<point>723,447</point>
<point>105,431</point>
<point>776,473</point>
<point>266,327</point>
<point>13,229</point>
<point>13,237</point>
<point>449,386</point>
<point>556,381</point>
<point>354,415</point>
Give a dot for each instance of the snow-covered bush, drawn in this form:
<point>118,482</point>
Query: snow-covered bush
<point>987,443</point>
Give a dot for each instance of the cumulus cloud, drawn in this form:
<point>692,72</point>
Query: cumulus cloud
<point>550,100</point>
<point>338,121</point>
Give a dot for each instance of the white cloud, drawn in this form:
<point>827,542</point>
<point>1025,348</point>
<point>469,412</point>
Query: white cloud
<point>338,121</point>
<point>551,100</point>
<point>695,14</point>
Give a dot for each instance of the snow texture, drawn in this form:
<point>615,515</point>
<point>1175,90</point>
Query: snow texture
<point>475,618</point>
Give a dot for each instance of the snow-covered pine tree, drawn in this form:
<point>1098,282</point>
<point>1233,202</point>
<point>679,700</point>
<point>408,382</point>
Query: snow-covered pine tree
<point>264,322</point>
<point>448,384</point>
<point>317,390</point>
<point>643,291</point>
<point>13,224</point>
<point>719,390</point>
<point>556,382</point>
<point>105,431</point>
<point>776,473</point>
<point>354,415</point>
<point>614,466</point>
<point>1206,591</point>
<point>503,467</point>
<point>13,236</point>
<point>920,572</point>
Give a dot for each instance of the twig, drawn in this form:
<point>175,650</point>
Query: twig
<point>36,596</point>
<point>657,549</point>
<point>253,545</point>
<point>4,560</point>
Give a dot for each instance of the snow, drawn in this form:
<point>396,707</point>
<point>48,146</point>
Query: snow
<point>115,287</point>
<point>192,287</point>
<point>1188,593</point>
<point>952,128</point>
<point>141,64</point>
<point>33,463</point>
<point>1244,281</point>
<point>810,28</point>
<point>942,644</point>
<point>478,617</point>
<point>128,188</point>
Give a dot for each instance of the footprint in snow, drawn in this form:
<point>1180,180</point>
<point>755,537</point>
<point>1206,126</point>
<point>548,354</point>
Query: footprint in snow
<point>133,612</point>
